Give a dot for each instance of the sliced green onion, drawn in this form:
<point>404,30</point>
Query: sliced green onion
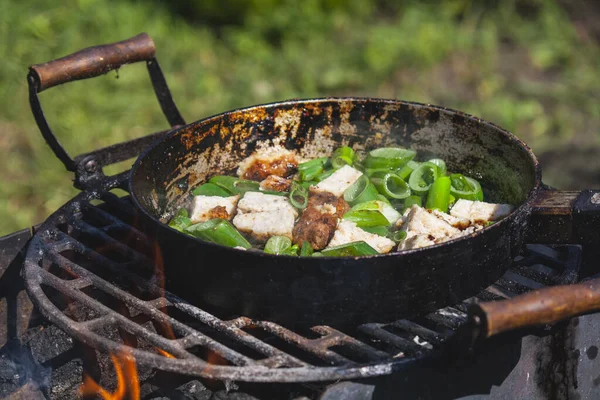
<point>466,188</point>
<point>407,169</point>
<point>342,156</point>
<point>306,249</point>
<point>309,169</point>
<point>181,220</point>
<point>390,185</point>
<point>410,200</point>
<point>277,244</point>
<point>441,164</point>
<point>398,236</point>
<point>291,251</point>
<point>275,193</point>
<point>243,186</point>
<point>381,197</point>
<point>298,196</point>
<point>452,199</point>
<point>235,185</point>
<point>389,212</point>
<point>317,254</point>
<point>366,218</point>
<point>389,157</point>
<point>210,189</point>
<point>421,178</point>
<point>360,191</point>
<point>438,197</point>
<point>353,249</point>
<point>324,175</point>
<point>377,230</point>
<point>219,231</point>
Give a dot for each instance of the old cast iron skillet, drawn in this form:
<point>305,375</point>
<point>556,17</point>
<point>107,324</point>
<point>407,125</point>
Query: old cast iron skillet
<point>337,291</point>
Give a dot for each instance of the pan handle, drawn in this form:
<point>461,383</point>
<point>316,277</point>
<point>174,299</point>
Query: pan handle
<point>544,306</point>
<point>88,63</point>
<point>557,217</point>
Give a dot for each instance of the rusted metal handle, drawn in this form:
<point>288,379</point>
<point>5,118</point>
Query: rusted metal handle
<point>88,63</point>
<point>543,306</point>
<point>93,61</point>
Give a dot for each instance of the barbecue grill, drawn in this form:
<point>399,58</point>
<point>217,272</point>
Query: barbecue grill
<point>95,313</point>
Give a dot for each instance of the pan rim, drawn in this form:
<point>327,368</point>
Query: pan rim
<point>523,208</point>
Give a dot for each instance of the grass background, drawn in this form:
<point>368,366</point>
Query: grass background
<point>530,66</point>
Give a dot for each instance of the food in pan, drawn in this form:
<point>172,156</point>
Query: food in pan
<point>341,205</point>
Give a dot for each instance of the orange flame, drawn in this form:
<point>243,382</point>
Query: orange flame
<point>128,384</point>
<point>165,353</point>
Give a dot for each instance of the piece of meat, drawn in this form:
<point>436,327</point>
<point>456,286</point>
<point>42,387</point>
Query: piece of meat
<point>268,161</point>
<point>262,225</point>
<point>339,181</point>
<point>348,232</point>
<point>327,202</point>
<point>479,212</point>
<point>275,183</point>
<point>319,219</point>
<point>315,227</point>
<point>206,207</point>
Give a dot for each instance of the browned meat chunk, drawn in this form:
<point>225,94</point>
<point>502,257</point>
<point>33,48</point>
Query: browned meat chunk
<point>314,227</point>
<point>271,161</point>
<point>218,212</point>
<point>320,218</point>
<point>276,183</point>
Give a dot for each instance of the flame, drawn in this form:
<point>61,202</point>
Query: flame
<point>165,353</point>
<point>128,384</point>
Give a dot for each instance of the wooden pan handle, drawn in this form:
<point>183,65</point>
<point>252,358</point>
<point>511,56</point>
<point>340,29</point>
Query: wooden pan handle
<point>543,306</point>
<point>93,61</point>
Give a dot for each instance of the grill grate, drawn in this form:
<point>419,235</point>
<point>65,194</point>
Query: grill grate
<point>91,257</point>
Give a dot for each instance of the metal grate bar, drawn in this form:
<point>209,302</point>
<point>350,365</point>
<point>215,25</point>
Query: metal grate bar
<point>311,346</point>
<point>112,243</point>
<point>418,330</point>
<point>149,309</point>
<point>377,331</point>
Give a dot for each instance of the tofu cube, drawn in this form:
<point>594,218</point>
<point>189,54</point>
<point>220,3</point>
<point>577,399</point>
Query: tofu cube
<point>262,225</point>
<point>479,212</point>
<point>204,207</point>
<point>339,181</point>
<point>259,202</point>
<point>348,232</point>
<point>264,215</point>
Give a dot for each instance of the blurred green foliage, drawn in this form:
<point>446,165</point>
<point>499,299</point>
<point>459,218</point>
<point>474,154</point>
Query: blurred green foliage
<point>523,65</point>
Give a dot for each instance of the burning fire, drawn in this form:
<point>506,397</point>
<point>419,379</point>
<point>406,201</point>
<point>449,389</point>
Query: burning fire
<point>128,385</point>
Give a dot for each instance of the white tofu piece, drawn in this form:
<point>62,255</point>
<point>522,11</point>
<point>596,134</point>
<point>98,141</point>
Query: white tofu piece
<point>259,202</point>
<point>262,225</point>
<point>339,181</point>
<point>348,232</point>
<point>422,222</point>
<point>413,241</point>
<point>204,204</point>
<point>469,230</point>
<point>457,222</point>
<point>268,157</point>
<point>479,211</point>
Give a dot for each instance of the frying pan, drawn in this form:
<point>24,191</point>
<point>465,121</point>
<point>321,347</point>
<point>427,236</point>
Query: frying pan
<point>338,291</point>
